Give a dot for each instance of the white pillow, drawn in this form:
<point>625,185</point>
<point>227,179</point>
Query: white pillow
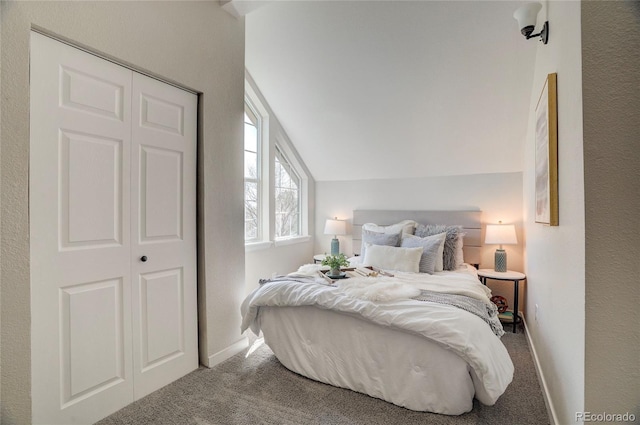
<point>427,239</point>
<point>433,246</point>
<point>405,226</point>
<point>393,258</point>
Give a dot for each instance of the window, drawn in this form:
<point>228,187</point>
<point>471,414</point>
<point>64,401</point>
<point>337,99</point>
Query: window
<point>287,198</point>
<point>252,198</point>
<point>276,186</point>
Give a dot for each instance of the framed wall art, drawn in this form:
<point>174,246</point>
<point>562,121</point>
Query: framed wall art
<point>546,146</point>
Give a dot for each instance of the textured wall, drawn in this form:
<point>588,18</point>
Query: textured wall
<point>195,44</point>
<point>611,104</point>
<point>554,256</point>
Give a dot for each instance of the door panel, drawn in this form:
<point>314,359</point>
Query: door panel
<point>162,312</point>
<point>161,186</point>
<point>160,114</point>
<point>92,333</point>
<point>90,190</point>
<point>80,251</point>
<point>87,92</point>
<point>164,230</point>
<point>108,328</point>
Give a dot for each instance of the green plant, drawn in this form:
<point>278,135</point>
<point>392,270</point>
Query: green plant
<point>335,261</point>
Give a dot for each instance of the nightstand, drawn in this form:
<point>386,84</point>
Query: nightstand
<point>509,275</point>
<point>318,258</point>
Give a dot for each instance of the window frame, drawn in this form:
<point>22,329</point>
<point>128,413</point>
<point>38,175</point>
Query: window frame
<point>272,139</point>
<point>282,142</point>
<point>281,157</point>
<point>254,117</point>
<point>262,232</point>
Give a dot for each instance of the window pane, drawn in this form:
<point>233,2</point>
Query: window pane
<point>250,230</point>
<point>251,210</point>
<point>287,212</point>
<point>287,196</point>
<point>252,174</point>
<point>250,137</point>
<point>295,225</point>
<point>250,165</point>
<point>278,224</point>
<point>278,174</point>
<point>250,195</point>
<point>285,182</point>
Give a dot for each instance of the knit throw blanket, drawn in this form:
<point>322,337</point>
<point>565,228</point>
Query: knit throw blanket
<point>487,312</point>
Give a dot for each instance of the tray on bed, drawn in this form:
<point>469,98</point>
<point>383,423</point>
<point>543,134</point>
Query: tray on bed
<point>355,272</point>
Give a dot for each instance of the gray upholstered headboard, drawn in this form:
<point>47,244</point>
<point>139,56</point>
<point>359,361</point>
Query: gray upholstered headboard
<point>469,220</point>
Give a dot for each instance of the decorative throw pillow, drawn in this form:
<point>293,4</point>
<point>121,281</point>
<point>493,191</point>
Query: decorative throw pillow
<point>450,243</point>
<point>403,227</point>
<point>459,251</point>
<point>376,238</point>
<point>433,246</point>
<point>393,258</point>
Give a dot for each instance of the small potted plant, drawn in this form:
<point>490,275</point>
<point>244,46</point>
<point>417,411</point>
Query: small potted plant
<point>335,262</point>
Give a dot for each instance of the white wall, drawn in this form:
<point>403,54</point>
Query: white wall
<point>498,196</point>
<point>275,260</point>
<point>280,258</point>
<point>372,79</point>
<point>611,93</point>
<point>195,44</point>
<point>554,256</point>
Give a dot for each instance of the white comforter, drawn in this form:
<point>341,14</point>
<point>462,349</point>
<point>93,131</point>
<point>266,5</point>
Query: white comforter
<point>459,331</point>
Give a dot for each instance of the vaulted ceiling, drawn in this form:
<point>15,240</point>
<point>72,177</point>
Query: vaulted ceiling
<point>395,89</point>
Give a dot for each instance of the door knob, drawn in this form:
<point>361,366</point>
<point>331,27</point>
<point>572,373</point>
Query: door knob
<point>143,258</point>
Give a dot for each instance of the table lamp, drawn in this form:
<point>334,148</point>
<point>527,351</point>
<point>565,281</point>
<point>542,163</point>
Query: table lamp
<point>500,234</point>
<point>335,227</point>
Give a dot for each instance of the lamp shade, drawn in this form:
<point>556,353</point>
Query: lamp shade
<point>335,227</point>
<point>500,234</point>
<point>527,15</point>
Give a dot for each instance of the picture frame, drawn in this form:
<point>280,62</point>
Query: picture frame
<point>546,153</point>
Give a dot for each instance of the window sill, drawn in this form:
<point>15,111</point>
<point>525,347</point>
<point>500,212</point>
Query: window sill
<point>292,241</point>
<point>257,246</point>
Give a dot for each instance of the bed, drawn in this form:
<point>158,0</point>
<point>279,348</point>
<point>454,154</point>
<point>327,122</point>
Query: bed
<point>412,351</point>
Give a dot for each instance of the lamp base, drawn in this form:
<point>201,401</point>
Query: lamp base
<point>335,246</point>
<point>500,261</point>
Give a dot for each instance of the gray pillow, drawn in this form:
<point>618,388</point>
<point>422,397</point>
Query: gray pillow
<point>375,238</point>
<point>430,248</point>
<point>450,243</point>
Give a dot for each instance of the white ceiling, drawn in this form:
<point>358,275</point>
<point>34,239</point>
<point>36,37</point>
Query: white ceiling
<point>395,89</point>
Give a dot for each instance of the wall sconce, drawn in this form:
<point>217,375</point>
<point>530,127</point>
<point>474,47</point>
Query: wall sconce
<point>335,227</point>
<point>527,17</point>
<point>500,234</point>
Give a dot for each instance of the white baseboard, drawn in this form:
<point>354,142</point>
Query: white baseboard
<point>545,389</point>
<point>228,352</point>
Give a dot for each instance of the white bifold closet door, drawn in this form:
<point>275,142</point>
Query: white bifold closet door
<point>113,241</point>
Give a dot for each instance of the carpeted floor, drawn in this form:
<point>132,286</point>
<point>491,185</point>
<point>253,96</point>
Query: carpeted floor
<point>258,390</point>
